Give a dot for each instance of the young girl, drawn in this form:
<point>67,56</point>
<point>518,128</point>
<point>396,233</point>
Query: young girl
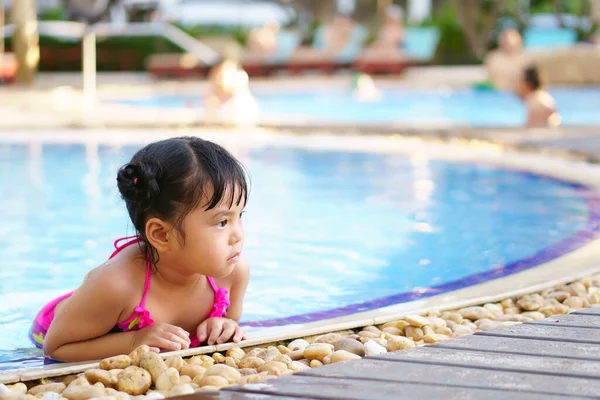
<point>181,280</point>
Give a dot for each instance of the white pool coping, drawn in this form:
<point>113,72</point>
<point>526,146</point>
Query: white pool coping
<point>569,267</point>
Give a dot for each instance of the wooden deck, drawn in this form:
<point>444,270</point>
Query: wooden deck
<point>556,358</point>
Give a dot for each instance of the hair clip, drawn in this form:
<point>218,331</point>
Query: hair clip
<point>135,181</point>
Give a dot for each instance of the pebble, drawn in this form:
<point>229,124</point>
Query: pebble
<point>330,338</point>
<point>372,348</point>
<point>414,333</point>
<point>298,344</point>
<point>574,302</point>
<point>399,343</point>
<point>343,355</point>
<point>417,320</point>
<point>318,351</point>
<point>475,313</point>
<point>351,346</point>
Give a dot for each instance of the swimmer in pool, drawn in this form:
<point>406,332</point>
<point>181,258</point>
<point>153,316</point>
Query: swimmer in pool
<point>180,281</point>
<point>541,107</point>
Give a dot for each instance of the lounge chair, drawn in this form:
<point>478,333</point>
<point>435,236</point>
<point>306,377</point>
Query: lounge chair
<point>418,48</point>
<point>329,63</point>
<point>548,38</point>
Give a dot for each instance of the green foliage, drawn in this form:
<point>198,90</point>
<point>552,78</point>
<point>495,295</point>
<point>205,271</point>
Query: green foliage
<point>53,14</point>
<point>453,48</point>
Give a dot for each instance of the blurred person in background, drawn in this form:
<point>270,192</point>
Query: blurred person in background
<point>262,41</point>
<point>540,105</point>
<point>229,99</point>
<point>504,66</point>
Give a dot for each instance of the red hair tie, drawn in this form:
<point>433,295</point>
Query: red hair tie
<point>135,181</point>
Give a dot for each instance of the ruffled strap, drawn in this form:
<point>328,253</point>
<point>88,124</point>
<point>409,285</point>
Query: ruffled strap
<point>139,319</point>
<point>221,303</point>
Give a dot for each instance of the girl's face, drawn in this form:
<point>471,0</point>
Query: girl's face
<point>213,239</point>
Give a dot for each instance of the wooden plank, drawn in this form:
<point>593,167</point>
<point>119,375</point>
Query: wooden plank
<point>571,320</point>
<point>533,347</point>
<point>588,311</point>
<point>460,376</point>
<point>329,388</point>
<point>222,395</point>
<point>544,332</point>
<point>498,361</point>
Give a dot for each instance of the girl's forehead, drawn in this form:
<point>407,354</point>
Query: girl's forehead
<point>233,195</point>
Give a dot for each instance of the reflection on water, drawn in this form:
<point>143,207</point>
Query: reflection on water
<point>324,229</point>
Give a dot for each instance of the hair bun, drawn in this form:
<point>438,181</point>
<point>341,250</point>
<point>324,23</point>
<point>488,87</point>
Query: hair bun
<point>138,182</point>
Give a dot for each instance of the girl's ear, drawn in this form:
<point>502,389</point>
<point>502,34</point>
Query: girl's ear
<point>157,233</point>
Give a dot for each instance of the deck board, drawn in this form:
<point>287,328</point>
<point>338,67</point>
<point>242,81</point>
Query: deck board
<point>355,389</point>
<point>498,361</point>
<point>533,347</point>
<point>571,320</point>
<point>545,332</point>
<point>441,375</point>
<point>555,358</point>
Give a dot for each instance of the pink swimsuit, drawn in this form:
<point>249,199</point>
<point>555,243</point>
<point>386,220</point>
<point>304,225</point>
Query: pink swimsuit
<point>140,318</point>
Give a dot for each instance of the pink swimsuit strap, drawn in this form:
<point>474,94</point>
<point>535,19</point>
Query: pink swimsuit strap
<point>141,317</point>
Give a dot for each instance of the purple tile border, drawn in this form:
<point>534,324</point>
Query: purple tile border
<point>589,233</point>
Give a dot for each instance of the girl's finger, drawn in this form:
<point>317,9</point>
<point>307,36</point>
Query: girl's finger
<point>228,331</point>
<point>202,332</point>
<point>240,334</point>
<point>184,343</point>
<point>166,344</point>
<point>182,333</point>
<point>216,328</point>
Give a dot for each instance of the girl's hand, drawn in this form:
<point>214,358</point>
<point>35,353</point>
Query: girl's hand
<point>220,330</point>
<point>162,336</point>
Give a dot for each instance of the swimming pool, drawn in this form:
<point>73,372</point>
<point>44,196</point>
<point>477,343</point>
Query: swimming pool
<point>420,107</point>
<point>328,233</point>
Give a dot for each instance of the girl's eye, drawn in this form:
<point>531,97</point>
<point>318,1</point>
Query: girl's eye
<point>242,214</point>
<point>223,223</point>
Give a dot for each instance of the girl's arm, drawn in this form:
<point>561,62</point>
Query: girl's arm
<point>81,322</point>
<point>79,331</point>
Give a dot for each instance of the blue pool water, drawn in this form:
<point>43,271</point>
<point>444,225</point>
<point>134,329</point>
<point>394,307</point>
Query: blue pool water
<point>464,107</point>
<point>327,232</point>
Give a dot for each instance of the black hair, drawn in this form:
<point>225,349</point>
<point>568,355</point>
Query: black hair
<point>170,178</point>
<point>532,77</point>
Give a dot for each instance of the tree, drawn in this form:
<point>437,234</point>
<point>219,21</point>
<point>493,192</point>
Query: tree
<point>477,19</point>
<point>25,40</point>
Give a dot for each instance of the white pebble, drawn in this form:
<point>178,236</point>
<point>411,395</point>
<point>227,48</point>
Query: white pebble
<point>51,396</point>
<point>154,396</point>
<point>372,348</point>
<point>3,388</point>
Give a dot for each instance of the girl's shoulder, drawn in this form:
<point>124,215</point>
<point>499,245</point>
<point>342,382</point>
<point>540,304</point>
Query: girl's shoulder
<point>118,276</point>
